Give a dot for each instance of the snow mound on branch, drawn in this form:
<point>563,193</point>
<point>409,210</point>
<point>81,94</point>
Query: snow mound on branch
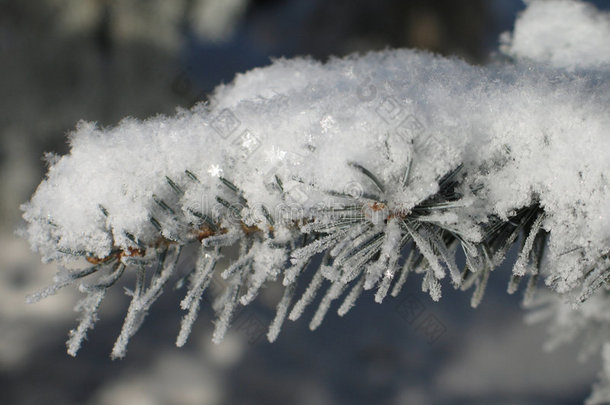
<point>564,33</point>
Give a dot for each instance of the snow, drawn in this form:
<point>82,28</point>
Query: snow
<point>284,153</point>
<point>563,33</point>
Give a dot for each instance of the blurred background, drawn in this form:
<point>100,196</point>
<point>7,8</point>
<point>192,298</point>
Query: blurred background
<point>100,60</point>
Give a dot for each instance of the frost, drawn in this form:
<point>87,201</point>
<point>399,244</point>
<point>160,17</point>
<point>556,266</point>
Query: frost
<point>200,279</point>
<point>369,167</point>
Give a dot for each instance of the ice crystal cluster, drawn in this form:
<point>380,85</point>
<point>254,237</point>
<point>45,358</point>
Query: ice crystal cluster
<point>362,169</point>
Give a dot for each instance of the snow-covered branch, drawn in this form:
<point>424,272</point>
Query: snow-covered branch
<point>345,166</point>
